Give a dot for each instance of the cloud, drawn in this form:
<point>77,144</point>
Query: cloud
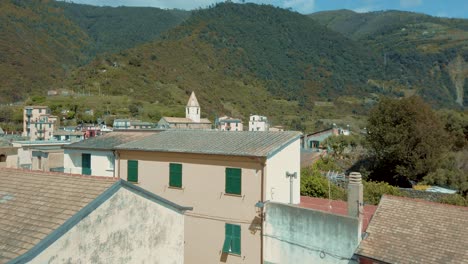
<point>410,3</point>
<point>302,6</point>
<point>363,9</point>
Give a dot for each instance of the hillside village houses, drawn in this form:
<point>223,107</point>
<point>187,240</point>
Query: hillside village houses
<point>192,118</point>
<point>38,123</point>
<point>258,123</point>
<point>226,123</point>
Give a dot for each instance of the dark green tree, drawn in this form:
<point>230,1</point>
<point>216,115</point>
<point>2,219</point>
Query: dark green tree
<point>407,139</point>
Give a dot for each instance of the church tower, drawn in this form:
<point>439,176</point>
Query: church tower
<point>192,110</point>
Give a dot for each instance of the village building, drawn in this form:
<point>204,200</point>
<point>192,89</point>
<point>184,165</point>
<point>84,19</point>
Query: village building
<point>405,230</point>
<point>40,154</point>
<point>225,177</point>
<point>96,156</point>
<point>258,123</point>
<point>38,123</point>
<point>65,135</point>
<point>131,124</point>
<point>8,156</point>
<point>192,118</point>
<point>314,140</point>
<point>60,218</point>
<point>227,123</point>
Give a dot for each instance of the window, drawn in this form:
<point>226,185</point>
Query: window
<point>132,170</point>
<point>232,240</point>
<point>40,111</point>
<point>233,180</point>
<point>50,125</point>
<point>175,175</point>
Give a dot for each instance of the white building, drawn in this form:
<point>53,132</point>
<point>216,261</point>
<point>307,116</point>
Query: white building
<point>227,123</point>
<point>95,156</point>
<point>258,123</point>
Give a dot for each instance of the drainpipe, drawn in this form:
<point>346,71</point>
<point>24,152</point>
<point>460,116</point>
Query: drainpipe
<point>118,161</point>
<point>262,199</point>
<point>291,177</point>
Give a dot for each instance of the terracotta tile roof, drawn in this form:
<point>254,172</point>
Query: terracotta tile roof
<point>405,230</point>
<point>236,143</point>
<point>110,140</point>
<point>33,204</point>
<point>336,207</point>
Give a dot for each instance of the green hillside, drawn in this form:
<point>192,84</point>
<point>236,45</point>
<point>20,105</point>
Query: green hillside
<point>241,59</point>
<point>38,45</point>
<point>115,29</point>
<point>429,54</point>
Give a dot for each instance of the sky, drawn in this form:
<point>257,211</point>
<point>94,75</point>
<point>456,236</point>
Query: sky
<point>441,8</point>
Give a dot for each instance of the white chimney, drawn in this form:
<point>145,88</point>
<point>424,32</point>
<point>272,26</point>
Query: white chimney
<point>355,199</point>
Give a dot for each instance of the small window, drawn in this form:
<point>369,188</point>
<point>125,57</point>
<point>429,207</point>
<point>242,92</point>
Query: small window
<point>40,111</point>
<point>132,170</point>
<point>232,240</point>
<point>50,125</point>
<point>233,180</point>
<point>175,175</point>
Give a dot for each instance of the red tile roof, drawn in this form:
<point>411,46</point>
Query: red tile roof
<point>336,207</point>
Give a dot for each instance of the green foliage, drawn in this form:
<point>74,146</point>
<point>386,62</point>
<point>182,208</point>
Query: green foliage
<point>455,199</point>
<point>315,185</point>
<point>407,139</point>
<point>339,143</point>
<point>373,191</point>
<point>452,173</point>
<point>456,123</point>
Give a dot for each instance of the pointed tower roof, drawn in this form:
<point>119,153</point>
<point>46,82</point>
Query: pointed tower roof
<point>193,102</point>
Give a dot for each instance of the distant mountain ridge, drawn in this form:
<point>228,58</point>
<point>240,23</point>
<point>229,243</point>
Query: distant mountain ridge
<point>429,53</point>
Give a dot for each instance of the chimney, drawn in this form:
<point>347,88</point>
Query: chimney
<point>355,199</point>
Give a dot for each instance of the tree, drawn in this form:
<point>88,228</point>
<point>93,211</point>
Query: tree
<point>406,138</point>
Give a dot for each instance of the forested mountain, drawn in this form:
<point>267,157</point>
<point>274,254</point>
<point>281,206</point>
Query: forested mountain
<point>429,54</point>
<point>43,41</point>
<point>239,58</point>
<point>119,28</point>
<point>38,46</point>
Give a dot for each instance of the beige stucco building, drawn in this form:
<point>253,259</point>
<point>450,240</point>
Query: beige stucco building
<point>223,176</point>
<point>58,218</point>
<point>258,123</point>
<point>38,123</point>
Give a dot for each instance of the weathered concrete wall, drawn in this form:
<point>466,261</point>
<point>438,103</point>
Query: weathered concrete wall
<point>277,184</point>
<point>299,235</point>
<point>101,164</point>
<point>9,157</point>
<point>127,228</point>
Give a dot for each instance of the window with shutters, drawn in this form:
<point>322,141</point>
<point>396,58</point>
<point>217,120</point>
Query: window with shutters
<point>232,239</point>
<point>132,170</point>
<point>233,181</point>
<point>175,175</point>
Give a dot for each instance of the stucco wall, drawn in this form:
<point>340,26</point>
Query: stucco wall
<point>100,163</point>
<point>299,235</point>
<point>11,155</point>
<point>277,184</point>
<point>203,187</point>
<point>127,228</point>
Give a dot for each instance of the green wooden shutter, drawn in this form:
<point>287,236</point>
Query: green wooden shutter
<point>233,181</point>
<point>232,240</point>
<point>236,239</point>
<point>86,164</point>
<point>132,170</point>
<point>175,175</point>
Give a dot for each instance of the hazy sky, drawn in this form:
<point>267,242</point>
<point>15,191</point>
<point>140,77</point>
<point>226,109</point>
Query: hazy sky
<point>445,8</point>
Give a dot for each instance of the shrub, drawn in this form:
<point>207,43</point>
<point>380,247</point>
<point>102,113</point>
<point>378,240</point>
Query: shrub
<point>373,191</point>
<point>315,185</point>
